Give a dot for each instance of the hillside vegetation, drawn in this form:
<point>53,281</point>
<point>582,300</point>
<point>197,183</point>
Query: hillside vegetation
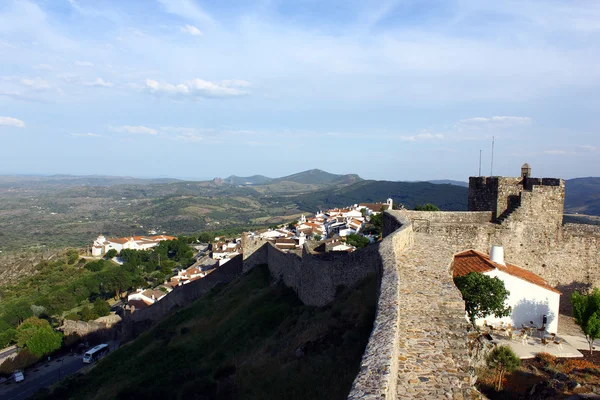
<point>582,195</point>
<point>250,339</point>
<point>446,197</point>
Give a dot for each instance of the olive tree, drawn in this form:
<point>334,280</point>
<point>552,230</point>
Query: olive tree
<point>483,296</point>
<point>586,311</point>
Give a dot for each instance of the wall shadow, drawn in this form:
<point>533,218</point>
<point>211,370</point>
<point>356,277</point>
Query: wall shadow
<point>567,290</point>
<point>530,310</point>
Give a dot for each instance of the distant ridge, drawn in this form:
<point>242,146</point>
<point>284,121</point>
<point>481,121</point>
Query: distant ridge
<point>582,195</point>
<point>449,182</point>
<point>318,177</point>
<point>247,180</point>
<point>23,181</point>
<point>410,194</point>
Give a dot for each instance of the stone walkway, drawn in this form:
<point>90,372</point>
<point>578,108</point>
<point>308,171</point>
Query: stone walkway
<point>533,345</point>
<point>433,359</point>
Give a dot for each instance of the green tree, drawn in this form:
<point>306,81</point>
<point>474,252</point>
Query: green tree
<point>377,221</point>
<point>98,265</point>
<point>317,237</point>
<point>72,256</point>
<point>483,296</point>
<point>426,207</point>
<point>116,280</point>
<point>101,307</point>
<point>28,328</point>
<point>206,237</point>
<point>357,241</point>
<point>88,314</point>
<point>73,316</point>
<point>7,337</point>
<point>586,311</point>
<point>110,254</point>
<point>503,360</point>
<point>44,341</point>
<point>292,225</point>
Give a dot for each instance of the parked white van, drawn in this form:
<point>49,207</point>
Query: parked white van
<point>18,376</point>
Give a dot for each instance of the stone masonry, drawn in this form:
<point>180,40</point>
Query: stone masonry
<point>418,345</point>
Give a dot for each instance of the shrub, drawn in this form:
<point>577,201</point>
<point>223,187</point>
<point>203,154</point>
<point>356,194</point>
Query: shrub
<point>503,360</point>
<point>72,256</point>
<point>73,316</point>
<point>24,359</point>
<point>101,307</point>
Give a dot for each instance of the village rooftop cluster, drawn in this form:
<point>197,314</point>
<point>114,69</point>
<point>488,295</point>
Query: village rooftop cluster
<point>330,226</point>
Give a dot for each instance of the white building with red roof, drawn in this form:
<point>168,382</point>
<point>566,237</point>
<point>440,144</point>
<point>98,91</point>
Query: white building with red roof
<point>531,297</point>
<point>102,245</point>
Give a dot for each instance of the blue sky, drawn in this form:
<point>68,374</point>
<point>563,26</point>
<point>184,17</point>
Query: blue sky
<point>398,90</point>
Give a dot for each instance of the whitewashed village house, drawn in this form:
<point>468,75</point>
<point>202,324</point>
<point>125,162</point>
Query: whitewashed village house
<point>531,297</point>
<point>102,245</point>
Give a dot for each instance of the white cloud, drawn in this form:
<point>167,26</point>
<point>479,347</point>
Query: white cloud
<point>88,134</point>
<point>503,119</point>
<point>422,137</point>
<point>84,63</point>
<point>99,82</point>
<point>36,83</point>
<point>589,148</point>
<point>191,29</point>
<point>8,121</point>
<point>199,88</point>
<point>144,130</point>
<point>556,152</point>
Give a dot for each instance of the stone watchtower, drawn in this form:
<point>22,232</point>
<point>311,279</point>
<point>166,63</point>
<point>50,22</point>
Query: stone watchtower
<point>532,200</point>
<point>525,171</point>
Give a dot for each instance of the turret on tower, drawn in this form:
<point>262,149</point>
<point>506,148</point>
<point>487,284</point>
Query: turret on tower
<point>538,200</point>
<point>525,171</point>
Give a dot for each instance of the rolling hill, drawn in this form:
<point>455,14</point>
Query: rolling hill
<point>247,180</point>
<point>318,177</point>
<point>582,195</point>
<point>446,197</point>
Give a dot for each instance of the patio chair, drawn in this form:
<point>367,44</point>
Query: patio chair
<point>524,337</point>
<point>544,342</point>
<point>558,342</point>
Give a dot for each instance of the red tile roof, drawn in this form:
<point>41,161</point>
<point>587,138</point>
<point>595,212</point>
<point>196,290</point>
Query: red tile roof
<point>475,261</point>
<point>138,304</point>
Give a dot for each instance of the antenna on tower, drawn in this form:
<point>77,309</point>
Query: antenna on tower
<point>492,167</point>
<point>479,163</point>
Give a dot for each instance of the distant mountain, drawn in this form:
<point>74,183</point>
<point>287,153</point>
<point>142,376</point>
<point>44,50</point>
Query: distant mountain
<point>318,177</point>
<point>248,180</point>
<point>449,182</point>
<point>582,195</point>
<point>410,194</point>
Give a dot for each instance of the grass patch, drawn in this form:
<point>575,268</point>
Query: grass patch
<point>246,340</point>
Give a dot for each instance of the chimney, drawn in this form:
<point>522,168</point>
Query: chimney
<point>497,255</point>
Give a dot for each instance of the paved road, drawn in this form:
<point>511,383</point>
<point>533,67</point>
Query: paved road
<point>44,375</point>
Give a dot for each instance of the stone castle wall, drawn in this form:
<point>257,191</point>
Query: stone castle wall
<point>314,277</point>
<point>181,296</point>
<point>418,345</point>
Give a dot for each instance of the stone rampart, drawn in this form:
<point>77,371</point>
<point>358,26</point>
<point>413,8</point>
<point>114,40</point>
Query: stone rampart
<point>418,346</point>
<point>183,295</point>
<point>378,374</point>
